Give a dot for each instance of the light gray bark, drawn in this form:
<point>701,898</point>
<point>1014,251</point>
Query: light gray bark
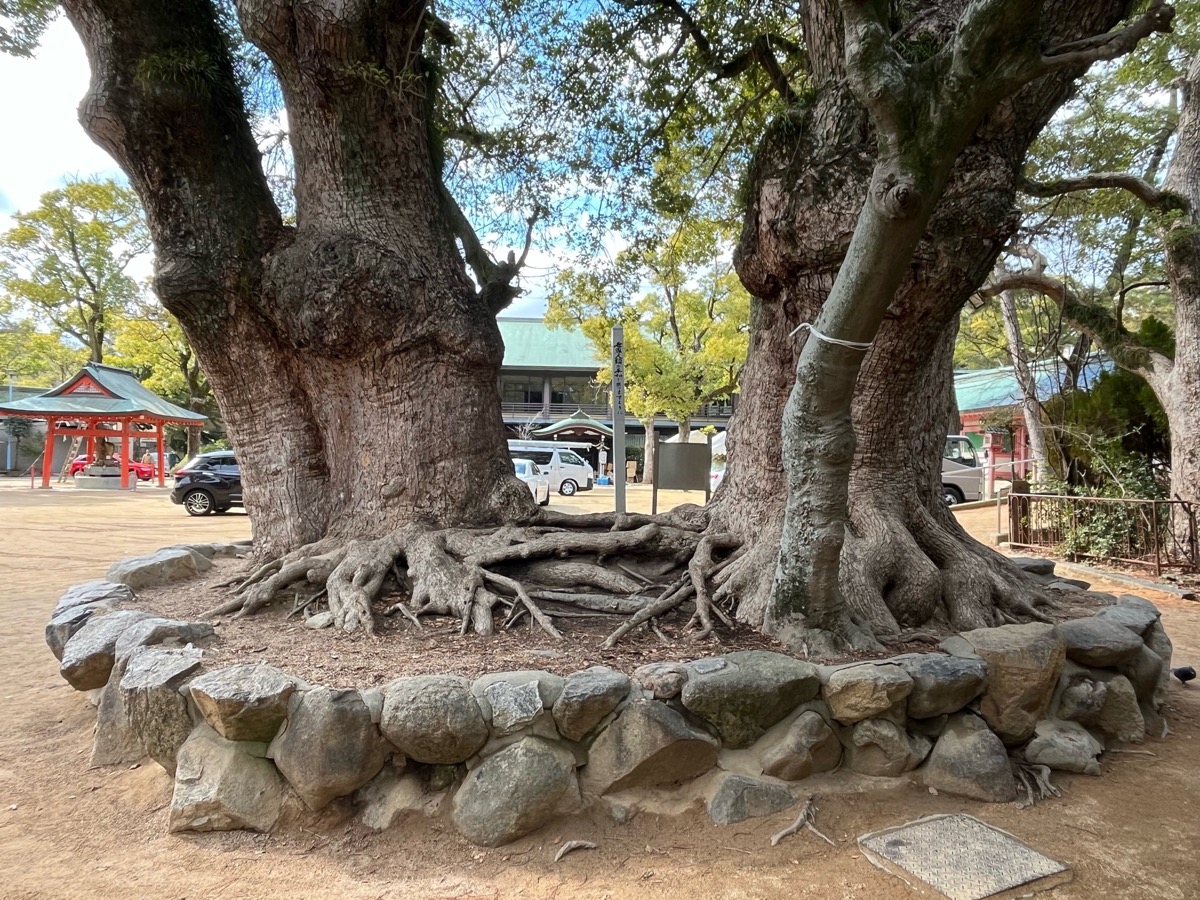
<point>1031,409</point>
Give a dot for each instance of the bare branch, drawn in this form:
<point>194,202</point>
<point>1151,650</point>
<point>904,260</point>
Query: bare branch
<point>1102,47</point>
<point>1140,188</point>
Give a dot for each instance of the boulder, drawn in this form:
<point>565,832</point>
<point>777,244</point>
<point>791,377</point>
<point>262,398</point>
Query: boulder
<point>220,787</point>
<point>168,632</point>
<point>161,567</point>
<point>1064,747</point>
<point>1033,565</point>
<point>246,702</point>
<point>516,791</point>
<point>433,718</point>
<point>968,760</point>
<point>943,684</point>
<point>647,744</point>
<point>1096,641</point>
<point>157,712</point>
<point>1145,673</point>
<point>739,797</point>
<point>860,692</point>
<point>1134,617</point>
<point>749,693</point>
<point>880,747</point>
<point>549,687</point>
<point>64,625</point>
<point>809,746</point>
<point>1119,717</point>
<point>1157,640</point>
<point>88,657</point>
<point>389,795</point>
<point>1081,699</point>
<point>319,620</point>
<point>513,705</point>
<point>588,697</point>
<point>1023,664</point>
<point>215,549</point>
<point>114,741</point>
<point>328,746</point>
<point>663,680</point>
<point>92,593</point>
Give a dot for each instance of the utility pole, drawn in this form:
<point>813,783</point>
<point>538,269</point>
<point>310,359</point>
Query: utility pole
<point>618,410</point>
<point>8,444</point>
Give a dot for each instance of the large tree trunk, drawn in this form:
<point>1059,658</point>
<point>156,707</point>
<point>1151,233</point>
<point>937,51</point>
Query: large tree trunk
<point>354,363</point>
<point>906,562</point>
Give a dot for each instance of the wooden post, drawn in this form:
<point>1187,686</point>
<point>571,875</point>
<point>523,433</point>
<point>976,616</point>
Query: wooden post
<point>162,460</point>
<point>123,458</point>
<point>48,455</point>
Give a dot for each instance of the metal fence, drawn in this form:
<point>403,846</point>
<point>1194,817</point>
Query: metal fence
<point>1156,534</point>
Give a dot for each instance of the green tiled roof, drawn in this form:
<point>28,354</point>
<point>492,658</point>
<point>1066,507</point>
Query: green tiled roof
<point>530,344</point>
<point>128,397</point>
<point>577,419</point>
<point>978,389</point>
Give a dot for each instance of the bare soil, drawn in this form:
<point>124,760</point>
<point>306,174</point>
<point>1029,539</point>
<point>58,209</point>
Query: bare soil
<point>67,831</point>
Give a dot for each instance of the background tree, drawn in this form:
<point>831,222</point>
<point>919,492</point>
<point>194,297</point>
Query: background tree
<point>65,262</point>
<point>18,428</point>
<point>36,357</point>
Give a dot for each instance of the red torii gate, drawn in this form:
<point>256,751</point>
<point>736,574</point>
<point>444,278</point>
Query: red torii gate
<point>98,396</point>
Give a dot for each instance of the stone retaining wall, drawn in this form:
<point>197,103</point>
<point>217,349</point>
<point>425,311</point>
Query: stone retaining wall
<point>513,750</point>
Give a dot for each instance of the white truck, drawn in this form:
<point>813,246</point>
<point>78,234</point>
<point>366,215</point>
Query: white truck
<point>567,470</point>
<point>962,476</point>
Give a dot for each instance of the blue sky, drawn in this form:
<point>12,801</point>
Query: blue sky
<point>44,143</point>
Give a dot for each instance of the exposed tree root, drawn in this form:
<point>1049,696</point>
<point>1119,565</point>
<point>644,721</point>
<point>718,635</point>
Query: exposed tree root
<point>555,566</point>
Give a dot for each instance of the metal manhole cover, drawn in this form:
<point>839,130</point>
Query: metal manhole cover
<point>961,857</point>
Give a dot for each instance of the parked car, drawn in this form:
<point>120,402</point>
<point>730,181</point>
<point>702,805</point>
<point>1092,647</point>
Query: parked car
<point>141,470</point>
<point>528,471</point>
<point>568,471</point>
<point>962,476</point>
<point>208,483</point>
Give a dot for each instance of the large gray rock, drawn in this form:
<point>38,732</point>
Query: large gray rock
<point>1064,747</point>
<point>968,760</point>
<point>114,742</point>
<point>663,680</point>
<point>1157,640</point>
<point>1081,698</point>
<point>1033,565</point>
<point>943,684</point>
<point>739,797</point>
<point>220,787</point>
<point>1095,641</point>
<point>433,718</point>
<point>647,744</point>
<point>156,710</point>
<point>549,686</point>
<point>1120,718</point>
<point>88,657</point>
<point>246,702</point>
<point>516,791</point>
<point>588,697</point>
<point>513,705</point>
<point>1024,663</point>
<point>1145,673</point>
<point>1134,616</point>
<point>809,746</point>
<point>389,795</point>
<point>161,567</point>
<point>64,625</point>
<point>752,691</point>
<point>91,593</point>
<point>167,632</point>
<point>860,692</point>
<point>328,746</point>
<point>880,747</point>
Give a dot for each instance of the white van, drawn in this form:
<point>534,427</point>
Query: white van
<point>567,470</point>
<point>962,476</point>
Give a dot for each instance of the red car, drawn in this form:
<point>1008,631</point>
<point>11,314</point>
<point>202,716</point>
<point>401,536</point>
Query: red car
<point>141,470</point>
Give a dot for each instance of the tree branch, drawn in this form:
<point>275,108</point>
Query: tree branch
<point>1103,47</point>
<point>1140,188</point>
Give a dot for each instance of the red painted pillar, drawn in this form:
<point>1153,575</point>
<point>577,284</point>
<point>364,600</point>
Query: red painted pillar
<point>123,458</point>
<point>162,459</point>
<point>48,454</point>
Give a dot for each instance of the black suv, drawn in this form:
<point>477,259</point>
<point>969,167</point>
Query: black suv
<point>209,483</point>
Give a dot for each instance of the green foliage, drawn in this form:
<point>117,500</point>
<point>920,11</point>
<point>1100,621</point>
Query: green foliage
<point>686,338</point>
<point>213,446</point>
<point>18,427</point>
<point>63,264</point>
<point>36,357</point>
<point>22,23</point>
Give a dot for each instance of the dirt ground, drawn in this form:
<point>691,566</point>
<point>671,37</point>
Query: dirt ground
<point>67,831</point>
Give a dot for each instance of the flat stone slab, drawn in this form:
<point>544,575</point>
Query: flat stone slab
<point>161,567</point>
<point>962,858</point>
<point>109,593</point>
<point>246,702</point>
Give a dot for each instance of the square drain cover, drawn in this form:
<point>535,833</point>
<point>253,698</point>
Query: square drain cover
<point>962,857</point>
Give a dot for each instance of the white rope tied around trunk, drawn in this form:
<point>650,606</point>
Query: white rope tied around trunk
<point>849,345</point>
